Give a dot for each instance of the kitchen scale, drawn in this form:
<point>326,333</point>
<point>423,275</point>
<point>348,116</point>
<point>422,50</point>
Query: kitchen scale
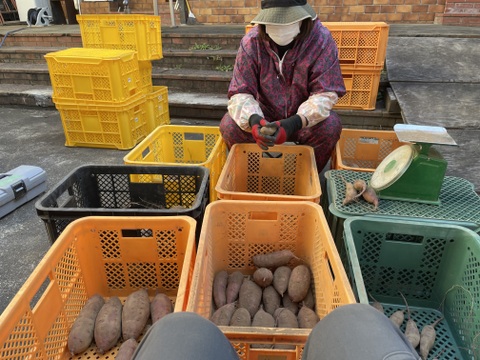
<point>413,172</point>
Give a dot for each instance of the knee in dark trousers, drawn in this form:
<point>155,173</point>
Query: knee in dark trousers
<point>357,332</point>
<point>184,335</point>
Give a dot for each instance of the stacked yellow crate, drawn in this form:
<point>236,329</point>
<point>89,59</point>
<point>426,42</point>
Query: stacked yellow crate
<point>104,91</point>
<point>142,34</point>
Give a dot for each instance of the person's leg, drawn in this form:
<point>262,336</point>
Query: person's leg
<point>184,335</point>
<point>360,332</point>
<point>322,137</point>
<point>232,134</point>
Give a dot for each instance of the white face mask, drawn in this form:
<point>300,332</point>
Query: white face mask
<point>283,34</point>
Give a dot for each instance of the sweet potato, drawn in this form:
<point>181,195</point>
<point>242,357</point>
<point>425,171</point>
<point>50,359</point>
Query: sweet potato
<point>289,304</point>
<point>309,300</point>
<point>281,276</point>
<point>126,350</point>
<point>222,316</point>
<point>360,186</point>
<point>241,317</point>
<point>81,333</point>
<point>268,130</point>
<point>371,197</point>
<point>350,192</point>
<point>263,277</point>
<point>234,283</point>
<point>160,306</point>
<point>108,325</point>
<point>427,338</point>
<point>397,318</point>
<point>273,259</point>
<point>250,296</point>
<point>299,283</point>
<point>135,314</point>
<point>262,319</point>
<point>220,288</point>
<point>411,329</point>
<point>285,318</point>
<point>307,318</point>
<point>271,299</point>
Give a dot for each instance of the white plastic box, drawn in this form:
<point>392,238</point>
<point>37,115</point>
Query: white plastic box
<point>19,186</point>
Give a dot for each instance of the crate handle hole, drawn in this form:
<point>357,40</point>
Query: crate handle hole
<point>272,154</point>
<point>38,295</point>
<point>145,152</point>
<point>194,136</point>
<point>263,215</point>
<point>416,239</point>
<point>332,273</point>
<point>136,233</point>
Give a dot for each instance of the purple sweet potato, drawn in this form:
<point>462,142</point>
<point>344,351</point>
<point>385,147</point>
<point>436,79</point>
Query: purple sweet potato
<point>271,299</point>
<point>250,296</point>
<point>307,318</point>
<point>135,314</point>
<point>299,283</point>
<point>220,288</point>
<point>273,259</point>
<point>281,276</point>
<point>81,333</point>
<point>160,306</point>
<point>285,318</point>
<point>289,304</point>
<point>222,316</point>
<point>126,350</point>
<point>263,277</point>
<point>241,317</point>
<point>234,283</point>
<point>108,325</point>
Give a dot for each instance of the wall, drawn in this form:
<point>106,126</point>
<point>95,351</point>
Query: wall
<point>458,12</point>
<point>448,12</point>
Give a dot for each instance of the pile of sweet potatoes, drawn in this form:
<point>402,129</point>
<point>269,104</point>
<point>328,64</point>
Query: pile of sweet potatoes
<point>106,322</point>
<point>277,294</point>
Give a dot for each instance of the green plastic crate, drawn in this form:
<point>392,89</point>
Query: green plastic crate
<point>436,267</point>
<point>460,204</point>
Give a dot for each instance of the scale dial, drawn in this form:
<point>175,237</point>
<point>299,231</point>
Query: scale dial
<point>392,167</point>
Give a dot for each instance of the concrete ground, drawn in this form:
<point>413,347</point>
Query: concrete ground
<point>24,141</point>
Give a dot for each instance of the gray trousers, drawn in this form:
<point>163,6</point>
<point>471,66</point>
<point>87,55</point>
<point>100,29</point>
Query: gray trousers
<point>356,331</point>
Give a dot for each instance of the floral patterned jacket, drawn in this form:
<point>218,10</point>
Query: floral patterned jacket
<point>307,80</point>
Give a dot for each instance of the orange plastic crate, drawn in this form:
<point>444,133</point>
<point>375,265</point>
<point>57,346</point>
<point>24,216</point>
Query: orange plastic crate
<point>233,231</point>
<point>360,43</point>
<point>115,126</point>
<point>363,150</point>
<point>93,75</point>
<point>136,32</point>
<point>110,256</point>
<point>362,88</point>
<point>284,172</point>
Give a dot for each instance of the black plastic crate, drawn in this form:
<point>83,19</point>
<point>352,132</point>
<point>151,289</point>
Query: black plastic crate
<point>125,190</point>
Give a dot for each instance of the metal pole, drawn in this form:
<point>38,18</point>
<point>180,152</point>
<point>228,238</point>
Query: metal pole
<point>172,13</point>
<point>155,7</point>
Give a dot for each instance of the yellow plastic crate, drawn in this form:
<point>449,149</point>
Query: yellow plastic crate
<point>362,88</point>
<point>363,150</point>
<point>158,112</point>
<point>183,145</point>
<point>145,68</point>
<point>233,231</point>
<point>284,172</point>
<point>136,32</point>
<point>100,75</point>
<point>360,43</point>
<point>109,256</point>
<point>114,126</point>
